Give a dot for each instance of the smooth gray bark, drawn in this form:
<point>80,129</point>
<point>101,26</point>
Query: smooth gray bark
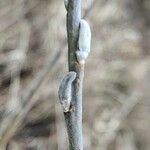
<point>74,118</point>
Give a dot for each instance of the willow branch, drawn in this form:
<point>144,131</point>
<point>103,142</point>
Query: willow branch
<point>74,118</point>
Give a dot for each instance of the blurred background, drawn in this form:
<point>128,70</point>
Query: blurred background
<point>33,60</point>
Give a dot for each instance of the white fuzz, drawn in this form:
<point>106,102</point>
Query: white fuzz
<point>84,41</point>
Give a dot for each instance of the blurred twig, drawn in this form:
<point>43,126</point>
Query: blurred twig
<point>16,14</point>
<point>26,104</point>
<point>114,124</point>
<point>13,106</point>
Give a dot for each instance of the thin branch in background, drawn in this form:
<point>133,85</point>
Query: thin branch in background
<point>14,106</point>
<point>119,116</point>
<point>26,102</point>
<point>88,10</point>
<point>126,140</point>
<point>16,14</point>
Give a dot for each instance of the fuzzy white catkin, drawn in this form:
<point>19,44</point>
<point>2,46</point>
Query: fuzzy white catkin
<point>84,42</point>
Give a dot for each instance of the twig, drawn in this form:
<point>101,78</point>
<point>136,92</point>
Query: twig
<point>16,118</point>
<point>70,90</point>
<point>74,118</point>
